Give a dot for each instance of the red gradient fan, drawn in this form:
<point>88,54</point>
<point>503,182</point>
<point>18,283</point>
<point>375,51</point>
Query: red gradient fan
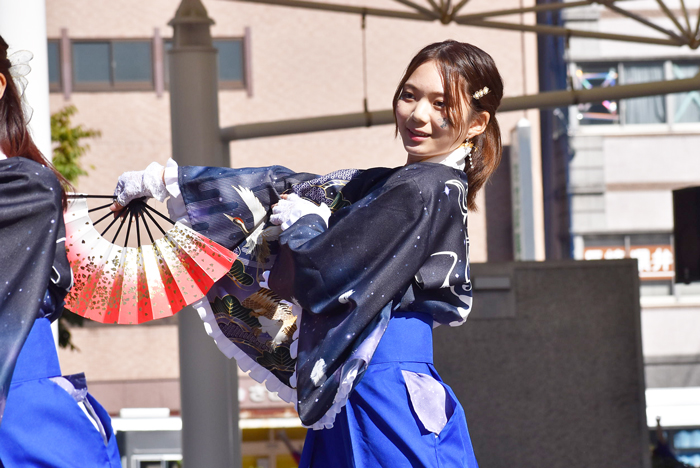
<point>129,285</point>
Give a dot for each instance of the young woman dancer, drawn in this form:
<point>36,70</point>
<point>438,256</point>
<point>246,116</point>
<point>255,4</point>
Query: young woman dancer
<point>45,419</point>
<point>371,260</point>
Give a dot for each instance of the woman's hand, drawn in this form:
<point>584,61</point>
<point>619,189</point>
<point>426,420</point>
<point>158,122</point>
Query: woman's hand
<point>292,207</point>
<point>136,184</point>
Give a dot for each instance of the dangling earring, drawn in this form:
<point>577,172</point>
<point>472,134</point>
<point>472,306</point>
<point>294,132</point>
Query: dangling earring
<point>468,146</point>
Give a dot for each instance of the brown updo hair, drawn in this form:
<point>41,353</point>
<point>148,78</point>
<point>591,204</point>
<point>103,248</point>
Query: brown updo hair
<point>15,139</point>
<point>466,69</point>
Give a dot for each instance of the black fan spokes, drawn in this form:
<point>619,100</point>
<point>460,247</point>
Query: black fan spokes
<point>137,211</point>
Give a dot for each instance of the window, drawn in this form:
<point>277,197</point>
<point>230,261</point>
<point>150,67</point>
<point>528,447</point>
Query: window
<point>686,445</point>
<point>131,64</point>
<point>156,461</point>
<point>677,108</point>
<point>589,76</point>
<point>231,63</point>
<point>112,65</point>
<point>91,63</point>
<point>686,105</point>
<point>649,109</point>
<point>54,49</point>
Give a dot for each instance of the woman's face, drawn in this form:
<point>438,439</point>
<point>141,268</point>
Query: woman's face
<point>422,118</point>
<point>3,85</point>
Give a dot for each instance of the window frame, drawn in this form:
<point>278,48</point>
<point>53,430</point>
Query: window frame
<point>224,85</point>
<point>56,87</point>
<point>623,68</point>
<point>670,126</point>
<point>233,84</point>
<point>573,67</point>
<point>158,71</point>
<point>671,102</point>
<point>113,85</point>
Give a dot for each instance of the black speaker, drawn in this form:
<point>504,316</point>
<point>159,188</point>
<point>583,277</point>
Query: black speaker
<point>686,234</point>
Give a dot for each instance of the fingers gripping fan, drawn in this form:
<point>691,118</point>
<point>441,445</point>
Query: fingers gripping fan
<point>129,285</point>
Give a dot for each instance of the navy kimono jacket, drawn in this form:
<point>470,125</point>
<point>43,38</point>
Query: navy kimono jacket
<point>396,241</point>
<point>34,272</point>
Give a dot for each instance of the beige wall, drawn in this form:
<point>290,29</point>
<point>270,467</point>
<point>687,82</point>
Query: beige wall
<point>127,366</point>
<point>304,63</point>
<point>123,352</point>
<point>131,366</point>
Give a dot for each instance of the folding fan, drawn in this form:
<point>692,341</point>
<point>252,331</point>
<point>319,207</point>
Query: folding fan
<point>129,285</point>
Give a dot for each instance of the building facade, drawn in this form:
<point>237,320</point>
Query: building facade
<point>628,156</point>
<point>275,63</point>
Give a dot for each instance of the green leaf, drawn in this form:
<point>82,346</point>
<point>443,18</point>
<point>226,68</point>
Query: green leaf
<point>67,145</point>
<point>67,151</point>
<point>67,320</point>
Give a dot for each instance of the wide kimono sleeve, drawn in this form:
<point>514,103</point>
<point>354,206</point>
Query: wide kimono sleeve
<point>227,205</point>
<point>30,219</point>
<point>349,276</point>
<point>369,251</point>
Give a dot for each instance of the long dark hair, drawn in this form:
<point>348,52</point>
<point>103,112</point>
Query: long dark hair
<point>15,139</point>
<point>466,69</point>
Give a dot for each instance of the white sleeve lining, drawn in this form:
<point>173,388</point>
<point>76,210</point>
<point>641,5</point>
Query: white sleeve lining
<point>176,206</point>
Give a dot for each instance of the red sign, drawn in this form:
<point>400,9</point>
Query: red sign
<point>254,395</point>
<point>655,261</point>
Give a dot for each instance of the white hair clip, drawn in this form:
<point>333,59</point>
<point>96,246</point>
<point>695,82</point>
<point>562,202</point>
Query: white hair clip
<point>481,93</point>
<point>19,69</point>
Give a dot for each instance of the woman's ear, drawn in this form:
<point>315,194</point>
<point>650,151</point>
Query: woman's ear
<point>478,124</point>
<point>3,85</point>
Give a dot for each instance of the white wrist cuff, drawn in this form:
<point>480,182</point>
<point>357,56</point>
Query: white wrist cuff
<point>170,177</point>
<point>153,181</point>
<point>324,212</point>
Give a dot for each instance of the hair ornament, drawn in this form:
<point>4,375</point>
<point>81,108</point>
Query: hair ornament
<point>481,93</point>
<point>19,69</point>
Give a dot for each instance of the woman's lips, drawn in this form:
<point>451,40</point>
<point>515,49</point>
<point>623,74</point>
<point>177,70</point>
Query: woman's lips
<point>416,135</point>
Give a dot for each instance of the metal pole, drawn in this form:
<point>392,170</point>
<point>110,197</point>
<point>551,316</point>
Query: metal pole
<point>554,99</point>
<point>344,9</point>
<point>420,9</point>
<point>515,11</point>
<point>548,100</point>
<point>208,380</point>
<point>312,124</point>
<point>476,20</point>
<point>567,32</point>
<point>522,195</point>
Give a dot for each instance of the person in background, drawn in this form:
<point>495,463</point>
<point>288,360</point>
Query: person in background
<point>296,454</point>
<point>45,419</point>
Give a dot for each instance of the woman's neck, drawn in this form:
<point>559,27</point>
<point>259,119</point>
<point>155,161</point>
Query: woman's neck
<point>455,159</point>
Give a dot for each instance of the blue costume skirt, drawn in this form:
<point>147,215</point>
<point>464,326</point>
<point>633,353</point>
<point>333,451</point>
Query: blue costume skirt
<point>380,425</point>
<point>43,424</point>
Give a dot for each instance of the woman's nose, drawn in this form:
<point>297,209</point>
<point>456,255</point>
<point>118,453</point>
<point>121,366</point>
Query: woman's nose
<point>421,113</point>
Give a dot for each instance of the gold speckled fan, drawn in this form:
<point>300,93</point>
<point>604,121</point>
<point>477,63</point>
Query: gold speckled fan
<point>129,285</point>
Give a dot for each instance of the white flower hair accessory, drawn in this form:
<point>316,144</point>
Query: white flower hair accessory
<point>19,69</point>
<point>481,93</point>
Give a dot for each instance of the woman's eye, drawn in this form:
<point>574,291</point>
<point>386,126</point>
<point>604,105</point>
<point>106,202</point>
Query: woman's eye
<point>440,104</point>
<point>405,96</point>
